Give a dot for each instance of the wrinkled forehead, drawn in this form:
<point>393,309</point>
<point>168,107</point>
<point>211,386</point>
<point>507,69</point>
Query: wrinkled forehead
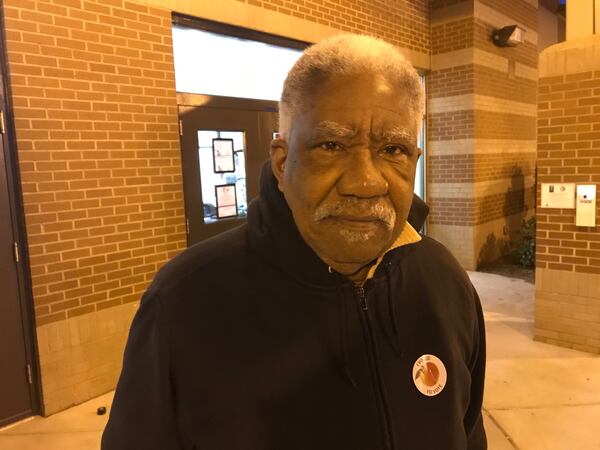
<point>352,120</point>
<point>392,132</point>
<point>364,91</point>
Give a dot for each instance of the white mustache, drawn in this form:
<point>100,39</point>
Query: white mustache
<point>353,207</point>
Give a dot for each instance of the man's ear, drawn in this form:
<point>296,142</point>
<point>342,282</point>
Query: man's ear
<point>279,153</point>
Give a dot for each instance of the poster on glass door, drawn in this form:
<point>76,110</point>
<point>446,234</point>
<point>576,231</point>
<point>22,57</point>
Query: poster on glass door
<point>226,201</point>
<point>223,158</point>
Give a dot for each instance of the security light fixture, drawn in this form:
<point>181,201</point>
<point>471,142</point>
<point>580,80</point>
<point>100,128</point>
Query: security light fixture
<point>509,36</point>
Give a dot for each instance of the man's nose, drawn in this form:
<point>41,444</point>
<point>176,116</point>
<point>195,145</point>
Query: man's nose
<point>362,178</point>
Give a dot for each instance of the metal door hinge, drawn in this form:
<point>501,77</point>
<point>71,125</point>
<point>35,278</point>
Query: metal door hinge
<point>2,123</point>
<point>187,226</point>
<point>29,374</point>
<point>180,128</point>
<point>16,250</point>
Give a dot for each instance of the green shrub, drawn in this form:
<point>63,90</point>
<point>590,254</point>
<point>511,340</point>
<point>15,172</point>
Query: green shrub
<point>526,247</point>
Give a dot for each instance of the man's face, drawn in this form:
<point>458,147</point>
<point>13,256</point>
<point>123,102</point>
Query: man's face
<point>347,171</point>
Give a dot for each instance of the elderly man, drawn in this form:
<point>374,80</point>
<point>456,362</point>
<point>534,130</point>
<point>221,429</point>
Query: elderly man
<point>326,322</point>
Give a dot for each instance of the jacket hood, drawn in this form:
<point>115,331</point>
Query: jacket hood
<point>273,234</point>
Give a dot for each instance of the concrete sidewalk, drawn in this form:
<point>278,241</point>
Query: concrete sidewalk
<point>538,397</point>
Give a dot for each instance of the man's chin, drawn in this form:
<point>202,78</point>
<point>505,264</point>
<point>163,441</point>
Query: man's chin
<point>349,247</point>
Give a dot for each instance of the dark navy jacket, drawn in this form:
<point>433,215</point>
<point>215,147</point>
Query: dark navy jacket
<point>247,342</point>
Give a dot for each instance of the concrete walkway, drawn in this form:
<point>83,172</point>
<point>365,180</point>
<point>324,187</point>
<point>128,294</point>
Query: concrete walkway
<point>538,397</point>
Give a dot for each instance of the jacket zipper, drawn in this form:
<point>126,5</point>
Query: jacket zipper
<point>372,350</point>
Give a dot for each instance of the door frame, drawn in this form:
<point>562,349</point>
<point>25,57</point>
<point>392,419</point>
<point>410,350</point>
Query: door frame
<point>17,216</point>
<point>216,101</point>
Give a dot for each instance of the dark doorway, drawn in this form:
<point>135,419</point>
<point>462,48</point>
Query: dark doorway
<point>18,393</point>
<point>216,196</point>
<point>14,385</point>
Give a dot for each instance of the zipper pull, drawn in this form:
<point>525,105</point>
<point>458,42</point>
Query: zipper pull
<point>362,298</point>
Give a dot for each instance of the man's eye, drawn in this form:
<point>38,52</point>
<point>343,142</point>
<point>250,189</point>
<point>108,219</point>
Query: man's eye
<point>395,149</point>
<point>331,146</point>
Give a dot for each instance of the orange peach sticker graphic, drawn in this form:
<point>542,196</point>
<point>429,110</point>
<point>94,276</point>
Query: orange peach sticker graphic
<point>429,375</point>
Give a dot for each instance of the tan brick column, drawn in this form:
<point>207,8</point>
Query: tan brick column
<point>481,130</point>
<point>567,309</point>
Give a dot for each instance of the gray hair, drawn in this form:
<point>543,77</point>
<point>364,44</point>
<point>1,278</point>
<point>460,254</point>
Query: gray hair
<point>347,55</point>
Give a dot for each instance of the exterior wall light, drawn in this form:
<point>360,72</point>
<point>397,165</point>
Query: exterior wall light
<point>509,36</point>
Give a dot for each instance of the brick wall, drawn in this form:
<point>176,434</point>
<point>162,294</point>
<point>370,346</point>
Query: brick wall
<point>491,82</point>
<point>475,211</point>
<point>451,81</point>
<point>481,107</point>
<point>567,309</point>
<point>96,123</point>
<point>469,168</point>
<point>569,152</point>
<point>451,125</point>
<point>450,36</point>
<point>404,23</point>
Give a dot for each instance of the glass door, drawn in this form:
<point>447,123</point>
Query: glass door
<point>224,143</point>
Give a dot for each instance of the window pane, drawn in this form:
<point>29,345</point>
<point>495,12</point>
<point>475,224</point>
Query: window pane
<point>214,64</point>
<point>205,138</point>
<point>420,175</point>
<point>421,143</point>
<point>216,178</point>
<point>238,139</point>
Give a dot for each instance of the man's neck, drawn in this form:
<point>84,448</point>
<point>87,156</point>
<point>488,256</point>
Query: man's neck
<point>358,276</point>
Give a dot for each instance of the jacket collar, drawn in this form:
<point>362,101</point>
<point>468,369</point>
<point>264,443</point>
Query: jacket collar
<point>407,236</point>
<point>273,235</point>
